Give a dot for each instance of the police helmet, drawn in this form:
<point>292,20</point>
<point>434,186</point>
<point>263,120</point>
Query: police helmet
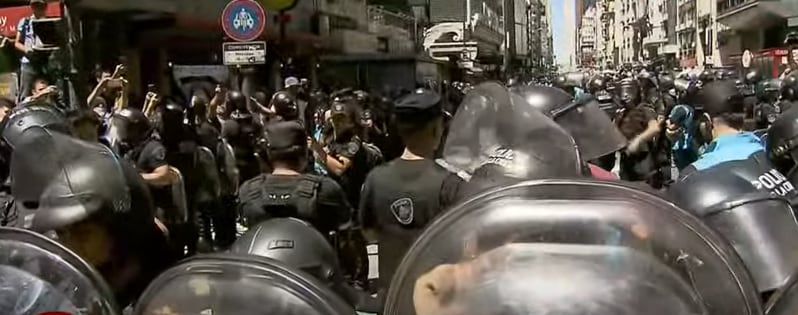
<point>284,105</point>
<point>753,77</point>
<point>596,84</point>
<point>236,101</point>
<point>666,82</point>
<point>789,88</point>
<point>783,140</point>
<point>748,202</point>
<point>293,242</point>
<point>130,126</point>
<point>22,119</point>
<point>646,78</point>
<point>706,76</point>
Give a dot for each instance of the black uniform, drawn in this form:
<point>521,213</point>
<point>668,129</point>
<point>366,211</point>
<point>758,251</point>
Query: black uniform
<point>318,200</point>
<point>400,198</point>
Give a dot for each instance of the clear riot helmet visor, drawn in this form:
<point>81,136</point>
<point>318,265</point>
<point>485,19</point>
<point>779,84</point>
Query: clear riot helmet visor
<point>570,247</point>
<point>496,127</point>
<point>594,132</point>
<point>237,285</point>
<point>38,276</point>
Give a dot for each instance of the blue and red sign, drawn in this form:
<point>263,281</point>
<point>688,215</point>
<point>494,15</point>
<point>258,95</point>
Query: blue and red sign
<point>243,20</point>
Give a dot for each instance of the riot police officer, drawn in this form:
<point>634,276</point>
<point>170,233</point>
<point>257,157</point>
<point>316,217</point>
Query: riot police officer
<point>782,145</point>
<point>242,131</point>
<point>766,110</point>
<point>789,92</point>
<point>25,125</point>
<point>749,90</point>
<point>95,204</point>
<point>286,191</point>
<point>284,106</point>
<point>401,197</point>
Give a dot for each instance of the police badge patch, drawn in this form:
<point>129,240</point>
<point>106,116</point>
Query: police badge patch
<point>402,210</point>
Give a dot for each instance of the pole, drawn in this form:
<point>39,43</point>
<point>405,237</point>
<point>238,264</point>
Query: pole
<point>73,95</point>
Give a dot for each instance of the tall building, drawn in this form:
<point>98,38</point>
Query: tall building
<point>587,38</point>
<point>654,42</point>
<point>547,43</point>
<point>571,33</point>
<point>759,26</point>
<point>608,56</point>
<point>686,32</point>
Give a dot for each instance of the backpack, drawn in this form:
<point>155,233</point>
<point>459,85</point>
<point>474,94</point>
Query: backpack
<point>299,202</point>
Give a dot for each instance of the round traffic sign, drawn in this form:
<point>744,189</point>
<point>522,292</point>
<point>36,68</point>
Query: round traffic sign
<point>243,20</point>
<point>747,57</point>
<point>278,5</point>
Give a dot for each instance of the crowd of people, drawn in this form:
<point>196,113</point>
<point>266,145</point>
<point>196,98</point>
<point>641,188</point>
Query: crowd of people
<point>635,191</point>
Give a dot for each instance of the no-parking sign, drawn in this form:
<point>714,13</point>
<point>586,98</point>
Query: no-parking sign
<point>243,20</point>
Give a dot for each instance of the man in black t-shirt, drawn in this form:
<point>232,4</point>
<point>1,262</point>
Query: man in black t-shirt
<point>401,197</point>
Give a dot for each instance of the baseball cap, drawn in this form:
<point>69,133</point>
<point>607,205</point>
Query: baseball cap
<point>291,81</point>
<point>285,135</point>
<point>32,2</point>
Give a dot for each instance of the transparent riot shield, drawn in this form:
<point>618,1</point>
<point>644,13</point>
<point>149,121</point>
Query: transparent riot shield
<point>37,275</point>
<point>594,132</point>
<point>494,126</point>
<point>179,199</point>
<point>210,185</point>
<point>570,247</point>
<point>228,170</point>
<point>238,285</point>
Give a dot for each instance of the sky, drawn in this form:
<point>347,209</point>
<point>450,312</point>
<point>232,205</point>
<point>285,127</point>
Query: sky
<point>563,29</point>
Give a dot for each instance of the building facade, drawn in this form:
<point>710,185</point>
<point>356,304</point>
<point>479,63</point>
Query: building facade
<point>587,38</point>
<point>759,26</point>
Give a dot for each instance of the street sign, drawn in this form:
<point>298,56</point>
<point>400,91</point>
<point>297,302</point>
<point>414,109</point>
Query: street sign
<point>243,20</point>
<point>244,54</point>
<point>747,57</point>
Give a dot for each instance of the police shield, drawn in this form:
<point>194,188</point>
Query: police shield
<point>570,247</point>
<point>496,127</point>
<point>785,300</point>
<point>595,134</point>
<point>237,285</point>
<point>748,202</point>
<point>210,186</point>
<point>228,170</point>
<point>37,276</point>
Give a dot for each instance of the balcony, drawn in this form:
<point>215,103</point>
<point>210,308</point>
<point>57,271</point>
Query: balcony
<point>755,14</point>
<point>684,27</point>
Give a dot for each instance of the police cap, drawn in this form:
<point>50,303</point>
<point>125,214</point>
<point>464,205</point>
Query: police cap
<point>285,135</point>
<point>420,105</point>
